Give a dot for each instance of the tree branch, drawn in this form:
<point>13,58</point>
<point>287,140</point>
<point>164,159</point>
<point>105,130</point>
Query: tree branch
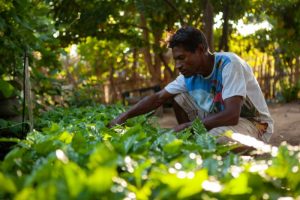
<point>176,11</point>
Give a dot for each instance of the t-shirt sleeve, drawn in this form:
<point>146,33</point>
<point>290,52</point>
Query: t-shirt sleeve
<point>234,82</point>
<point>177,86</point>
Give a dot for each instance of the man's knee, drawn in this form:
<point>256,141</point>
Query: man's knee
<point>219,132</point>
<point>188,106</point>
<point>180,113</point>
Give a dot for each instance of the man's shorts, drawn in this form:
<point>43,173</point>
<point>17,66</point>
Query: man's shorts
<point>244,125</point>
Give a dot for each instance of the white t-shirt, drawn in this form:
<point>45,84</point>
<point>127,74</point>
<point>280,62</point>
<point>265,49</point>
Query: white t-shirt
<point>231,76</point>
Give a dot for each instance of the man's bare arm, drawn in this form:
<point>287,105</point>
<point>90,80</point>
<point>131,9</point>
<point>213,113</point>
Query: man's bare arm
<point>145,105</point>
<point>228,117</point>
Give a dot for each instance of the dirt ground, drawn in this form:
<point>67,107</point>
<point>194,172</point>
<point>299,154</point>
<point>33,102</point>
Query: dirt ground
<point>286,118</point>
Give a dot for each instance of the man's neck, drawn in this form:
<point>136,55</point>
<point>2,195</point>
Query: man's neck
<point>209,64</point>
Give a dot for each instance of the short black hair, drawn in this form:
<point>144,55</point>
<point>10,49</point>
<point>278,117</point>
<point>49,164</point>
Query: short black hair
<point>189,38</point>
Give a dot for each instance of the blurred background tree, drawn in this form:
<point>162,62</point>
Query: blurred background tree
<point>93,51</point>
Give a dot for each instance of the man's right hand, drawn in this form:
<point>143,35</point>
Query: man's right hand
<point>146,105</point>
<point>119,120</point>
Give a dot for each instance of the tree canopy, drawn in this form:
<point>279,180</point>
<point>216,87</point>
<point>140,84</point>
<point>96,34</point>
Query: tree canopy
<point>127,39</point>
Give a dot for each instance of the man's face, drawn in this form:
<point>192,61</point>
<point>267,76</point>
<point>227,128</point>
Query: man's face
<point>188,63</point>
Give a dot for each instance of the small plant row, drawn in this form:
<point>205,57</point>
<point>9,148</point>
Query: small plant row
<point>72,154</point>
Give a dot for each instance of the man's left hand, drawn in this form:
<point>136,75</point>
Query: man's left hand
<point>183,126</point>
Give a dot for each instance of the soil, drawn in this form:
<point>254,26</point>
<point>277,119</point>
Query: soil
<point>286,122</point>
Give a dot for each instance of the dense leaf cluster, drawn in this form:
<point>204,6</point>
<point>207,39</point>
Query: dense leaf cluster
<point>73,155</point>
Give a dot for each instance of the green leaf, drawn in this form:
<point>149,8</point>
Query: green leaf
<point>6,88</point>
<point>211,165</point>
<point>66,137</point>
<point>173,147</point>
<point>184,135</point>
<point>47,146</point>
<point>282,164</point>
<point>238,186</point>
<point>164,139</point>
<point>80,143</point>
<point>54,128</point>
<point>7,184</point>
<point>10,140</point>
<point>103,155</point>
<point>26,193</point>
<point>185,186</point>
<point>129,142</point>
<point>101,179</point>
<point>207,142</point>
<point>3,123</point>
<point>75,178</point>
<point>198,127</point>
<point>194,185</point>
<point>141,170</point>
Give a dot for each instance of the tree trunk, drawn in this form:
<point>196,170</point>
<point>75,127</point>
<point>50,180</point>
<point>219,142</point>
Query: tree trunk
<point>208,22</point>
<point>297,70</point>
<point>168,73</point>
<point>157,50</point>
<point>223,45</point>
<point>112,88</point>
<point>134,64</point>
<point>66,64</point>
<point>147,55</point>
<point>279,72</point>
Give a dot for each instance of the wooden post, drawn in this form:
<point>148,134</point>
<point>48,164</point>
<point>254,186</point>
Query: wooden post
<point>268,78</point>
<point>297,70</point>
<point>273,75</point>
<point>28,93</point>
<point>261,74</point>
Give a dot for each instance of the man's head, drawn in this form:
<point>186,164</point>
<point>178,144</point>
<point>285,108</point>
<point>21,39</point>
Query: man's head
<point>188,38</point>
<point>190,52</point>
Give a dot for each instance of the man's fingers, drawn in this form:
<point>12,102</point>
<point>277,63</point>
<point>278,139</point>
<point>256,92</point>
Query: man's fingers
<point>112,123</point>
<point>181,127</point>
<point>115,122</point>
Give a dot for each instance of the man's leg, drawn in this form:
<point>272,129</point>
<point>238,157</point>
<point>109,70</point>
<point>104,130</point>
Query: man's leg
<point>180,114</point>
<point>186,109</point>
<point>244,127</point>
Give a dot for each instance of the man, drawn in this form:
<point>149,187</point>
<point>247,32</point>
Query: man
<point>218,88</point>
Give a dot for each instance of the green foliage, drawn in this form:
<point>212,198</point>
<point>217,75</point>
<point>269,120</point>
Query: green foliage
<point>112,39</point>
<point>198,127</point>
<point>6,88</point>
<point>282,15</point>
<point>24,27</point>
<point>289,92</point>
<point>73,155</point>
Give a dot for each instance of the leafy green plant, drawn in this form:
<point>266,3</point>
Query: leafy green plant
<point>73,155</point>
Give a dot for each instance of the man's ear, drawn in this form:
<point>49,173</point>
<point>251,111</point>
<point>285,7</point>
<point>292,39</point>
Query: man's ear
<point>201,48</point>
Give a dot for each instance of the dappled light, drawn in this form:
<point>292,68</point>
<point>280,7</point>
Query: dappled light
<point>253,142</point>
